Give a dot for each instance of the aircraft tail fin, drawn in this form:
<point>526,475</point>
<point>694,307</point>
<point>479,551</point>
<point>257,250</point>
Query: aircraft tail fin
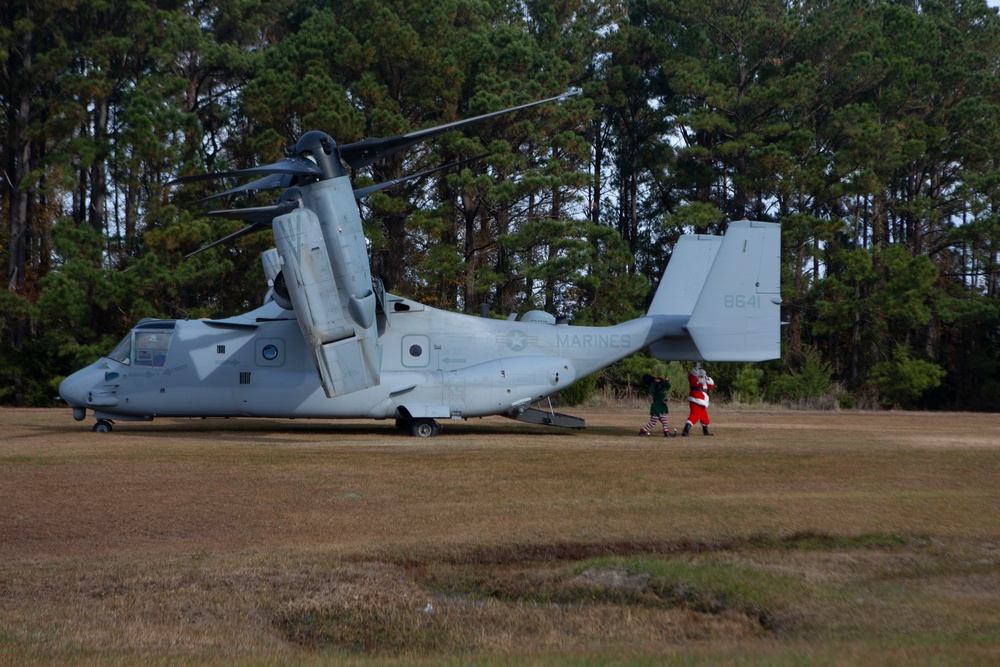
<point>686,274</point>
<point>729,289</point>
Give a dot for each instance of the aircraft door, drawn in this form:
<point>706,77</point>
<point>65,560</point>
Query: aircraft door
<point>456,394</point>
<point>142,383</point>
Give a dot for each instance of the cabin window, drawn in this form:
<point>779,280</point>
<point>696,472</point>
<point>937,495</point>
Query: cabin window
<point>123,353</point>
<point>151,348</point>
<point>270,352</point>
<point>415,351</point>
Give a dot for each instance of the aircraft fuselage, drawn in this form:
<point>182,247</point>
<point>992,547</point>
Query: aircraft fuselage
<point>435,364</point>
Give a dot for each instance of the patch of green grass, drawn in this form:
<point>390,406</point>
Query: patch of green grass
<point>704,585</point>
<point>676,581</point>
<point>818,541</point>
<point>16,459</point>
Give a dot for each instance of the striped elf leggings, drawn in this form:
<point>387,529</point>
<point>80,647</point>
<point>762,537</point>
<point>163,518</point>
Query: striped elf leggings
<point>652,422</point>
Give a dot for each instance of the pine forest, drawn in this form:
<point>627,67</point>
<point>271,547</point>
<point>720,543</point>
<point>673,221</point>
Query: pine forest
<point>870,129</point>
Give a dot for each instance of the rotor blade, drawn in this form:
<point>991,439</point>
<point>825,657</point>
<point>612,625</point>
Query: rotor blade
<point>272,182</point>
<point>232,237</point>
<point>367,151</point>
<point>259,218</point>
<point>361,193</point>
<point>258,215</point>
<point>286,165</point>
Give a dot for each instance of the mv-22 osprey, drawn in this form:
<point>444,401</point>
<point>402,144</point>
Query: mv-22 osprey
<point>330,343</point>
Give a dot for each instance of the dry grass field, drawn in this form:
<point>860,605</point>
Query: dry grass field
<point>790,538</point>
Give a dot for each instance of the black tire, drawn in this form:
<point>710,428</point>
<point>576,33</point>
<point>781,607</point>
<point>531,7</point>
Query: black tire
<point>424,428</point>
<point>103,426</point>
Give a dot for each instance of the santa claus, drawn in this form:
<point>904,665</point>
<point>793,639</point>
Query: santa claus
<point>699,384</point>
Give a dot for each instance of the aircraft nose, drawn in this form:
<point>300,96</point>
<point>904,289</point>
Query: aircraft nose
<point>73,390</point>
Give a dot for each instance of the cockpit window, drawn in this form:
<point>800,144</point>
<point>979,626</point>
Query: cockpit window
<point>123,353</point>
<point>151,348</point>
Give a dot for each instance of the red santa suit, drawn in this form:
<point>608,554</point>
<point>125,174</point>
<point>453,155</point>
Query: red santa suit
<point>699,384</point>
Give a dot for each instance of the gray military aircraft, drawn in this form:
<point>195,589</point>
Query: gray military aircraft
<point>329,342</point>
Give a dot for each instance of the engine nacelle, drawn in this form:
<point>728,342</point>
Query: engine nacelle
<point>277,289</point>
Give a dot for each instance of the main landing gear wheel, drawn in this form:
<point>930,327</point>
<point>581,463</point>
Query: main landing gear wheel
<point>424,428</point>
<point>102,426</point>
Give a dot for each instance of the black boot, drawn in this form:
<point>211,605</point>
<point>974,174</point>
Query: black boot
<point>687,430</point>
<point>704,430</point>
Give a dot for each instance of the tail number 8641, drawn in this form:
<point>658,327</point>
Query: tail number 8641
<point>741,301</point>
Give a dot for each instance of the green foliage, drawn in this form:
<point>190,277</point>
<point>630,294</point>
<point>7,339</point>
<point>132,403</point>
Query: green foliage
<point>902,379</point>
<point>746,385</point>
<point>696,215</point>
<point>625,376</point>
<point>811,380</point>
<point>870,130</point>
<point>605,291</point>
<point>579,391</point>
<point>703,585</point>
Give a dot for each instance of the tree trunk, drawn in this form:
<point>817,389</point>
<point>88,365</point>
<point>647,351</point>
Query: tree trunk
<point>596,181</point>
<point>469,215</point>
<point>98,180</point>
<point>550,280</point>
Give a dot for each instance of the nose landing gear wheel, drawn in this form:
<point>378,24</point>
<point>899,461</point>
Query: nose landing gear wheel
<point>102,426</point>
<point>424,428</point>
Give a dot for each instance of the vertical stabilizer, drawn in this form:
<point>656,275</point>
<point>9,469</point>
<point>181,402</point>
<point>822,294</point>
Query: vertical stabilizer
<point>686,274</point>
<point>679,288</point>
<point>737,315</point>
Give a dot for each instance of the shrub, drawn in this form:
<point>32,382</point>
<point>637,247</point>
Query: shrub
<point>813,380</point>
<point>625,376</point>
<point>579,391</point>
<point>746,384</point>
<point>903,379</point>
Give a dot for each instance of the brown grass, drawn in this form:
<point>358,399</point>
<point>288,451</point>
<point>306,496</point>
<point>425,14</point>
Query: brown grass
<point>789,538</point>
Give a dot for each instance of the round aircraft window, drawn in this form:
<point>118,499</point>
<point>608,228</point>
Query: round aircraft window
<point>269,352</point>
<point>416,350</point>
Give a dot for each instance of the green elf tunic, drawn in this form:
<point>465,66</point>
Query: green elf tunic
<point>659,394</point>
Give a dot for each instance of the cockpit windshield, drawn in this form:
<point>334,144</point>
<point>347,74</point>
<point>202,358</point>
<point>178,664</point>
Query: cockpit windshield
<point>151,348</point>
<point>143,348</point>
<point>123,353</point>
